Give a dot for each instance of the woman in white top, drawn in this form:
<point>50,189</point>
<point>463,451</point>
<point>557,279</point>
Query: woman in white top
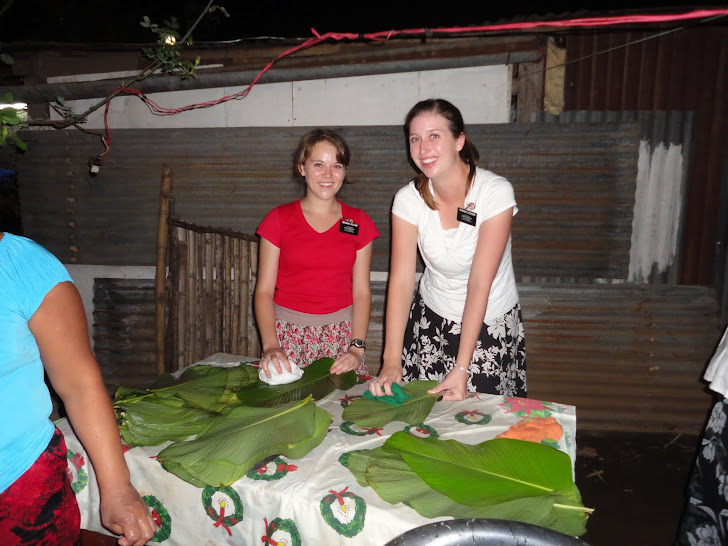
<point>464,327</point>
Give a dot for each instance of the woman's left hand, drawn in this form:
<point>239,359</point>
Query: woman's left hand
<point>347,362</point>
<point>454,387</point>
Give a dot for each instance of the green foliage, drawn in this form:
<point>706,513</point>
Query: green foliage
<point>167,53</point>
<point>10,124</point>
<point>375,413</point>
<point>500,479</point>
<point>224,420</point>
<point>227,449</point>
<point>317,381</point>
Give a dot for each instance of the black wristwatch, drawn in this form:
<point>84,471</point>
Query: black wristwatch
<point>358,343</point>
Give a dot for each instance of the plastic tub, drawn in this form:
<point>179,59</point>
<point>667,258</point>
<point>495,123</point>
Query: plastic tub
<point>480,532</point>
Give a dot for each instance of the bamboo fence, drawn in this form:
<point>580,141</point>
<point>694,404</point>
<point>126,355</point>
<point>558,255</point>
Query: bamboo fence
<point>204,289</point>
<point>211,279</point>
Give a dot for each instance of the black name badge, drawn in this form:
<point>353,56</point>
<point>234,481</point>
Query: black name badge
<point>466,216</point>
<point>349,227</point>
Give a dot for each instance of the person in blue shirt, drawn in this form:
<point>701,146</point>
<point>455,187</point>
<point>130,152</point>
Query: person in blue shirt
<point>43,330</point>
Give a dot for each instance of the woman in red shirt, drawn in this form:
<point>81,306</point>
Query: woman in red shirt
<point>312,297</point>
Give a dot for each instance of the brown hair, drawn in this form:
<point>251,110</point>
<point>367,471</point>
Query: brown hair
<point>313,137</point>
<point>469,154</point>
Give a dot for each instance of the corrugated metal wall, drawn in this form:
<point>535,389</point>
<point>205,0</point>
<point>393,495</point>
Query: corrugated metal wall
<point>574,184</point>
<point>682,70</point>
<point>123,332</point>
<point>626,355</point>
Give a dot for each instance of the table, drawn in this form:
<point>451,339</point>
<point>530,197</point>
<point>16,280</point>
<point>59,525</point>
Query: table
<point>310,501</point>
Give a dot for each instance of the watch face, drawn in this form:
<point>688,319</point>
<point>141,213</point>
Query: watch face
<point>357,343</point>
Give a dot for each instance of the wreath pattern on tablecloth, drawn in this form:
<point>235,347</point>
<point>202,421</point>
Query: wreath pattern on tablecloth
<point>344,459</point>
<point>421,431</point>
<point>274,470</point>
<point>350,428</point>
<point>281,532</point>
<point>228,494</point>
<point>474,417</point>
<point>161,518</point>
<point>76,463</point>
<point>336,511</point>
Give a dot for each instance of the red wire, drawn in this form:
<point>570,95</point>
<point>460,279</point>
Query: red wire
<point>387,34</point>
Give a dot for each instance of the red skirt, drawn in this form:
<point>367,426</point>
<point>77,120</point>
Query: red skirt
<point>40,507</point>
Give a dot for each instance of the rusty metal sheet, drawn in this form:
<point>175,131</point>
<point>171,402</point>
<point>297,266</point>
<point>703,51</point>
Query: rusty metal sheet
<point>574,185</point>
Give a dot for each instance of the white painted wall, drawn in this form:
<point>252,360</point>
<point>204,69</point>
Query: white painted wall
<point>657,210</point>
<point>483,95</point>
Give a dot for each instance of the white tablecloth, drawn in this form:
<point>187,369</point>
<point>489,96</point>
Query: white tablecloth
<point>310,501</point>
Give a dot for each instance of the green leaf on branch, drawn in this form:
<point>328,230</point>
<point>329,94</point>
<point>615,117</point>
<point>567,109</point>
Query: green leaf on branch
<point>19,143</point>
<point>10,116</point>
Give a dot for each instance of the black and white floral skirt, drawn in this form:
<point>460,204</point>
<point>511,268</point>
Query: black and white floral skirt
<point>705,517</point>
<point>499,360</point>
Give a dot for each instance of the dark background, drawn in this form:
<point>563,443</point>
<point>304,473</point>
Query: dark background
<point>115,21</point>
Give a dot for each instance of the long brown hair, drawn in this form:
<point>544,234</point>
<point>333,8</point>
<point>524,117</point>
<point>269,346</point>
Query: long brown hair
<point>469,154</point>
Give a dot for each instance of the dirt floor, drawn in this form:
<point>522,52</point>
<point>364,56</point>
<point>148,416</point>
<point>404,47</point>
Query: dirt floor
<point>636,483</point>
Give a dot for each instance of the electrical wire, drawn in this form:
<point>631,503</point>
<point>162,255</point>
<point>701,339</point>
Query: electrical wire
<point>384,36</point>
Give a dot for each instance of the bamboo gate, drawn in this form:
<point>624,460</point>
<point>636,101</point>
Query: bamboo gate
<point>204,289</point>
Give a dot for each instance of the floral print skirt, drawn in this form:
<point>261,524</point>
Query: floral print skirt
<point>705,517</point>
<point>499,360</point>
<point>304,344</point>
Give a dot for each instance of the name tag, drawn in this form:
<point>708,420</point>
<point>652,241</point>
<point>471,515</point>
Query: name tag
<point>349,227</point>
<point>466,216</point>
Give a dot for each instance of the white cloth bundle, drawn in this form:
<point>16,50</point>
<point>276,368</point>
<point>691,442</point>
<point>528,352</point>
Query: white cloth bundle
<point>281,378</point>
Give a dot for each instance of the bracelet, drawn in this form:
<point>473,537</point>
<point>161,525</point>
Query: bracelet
<point>463,369</point>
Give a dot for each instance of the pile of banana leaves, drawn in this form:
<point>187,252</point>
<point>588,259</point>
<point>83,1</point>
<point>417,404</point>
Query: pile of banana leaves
<point>221,421</point>
<point>500,479</point>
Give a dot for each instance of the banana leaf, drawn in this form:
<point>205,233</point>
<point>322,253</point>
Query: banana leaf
<point>150,421</point>
<point>210,388</point>
<point>488,473</point>
<point>317,381</point>
<point>372,413</point>
<point>394,481</point>
<point>236,441</point>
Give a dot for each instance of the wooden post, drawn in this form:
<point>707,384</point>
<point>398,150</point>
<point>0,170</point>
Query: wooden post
<point>160,276</point>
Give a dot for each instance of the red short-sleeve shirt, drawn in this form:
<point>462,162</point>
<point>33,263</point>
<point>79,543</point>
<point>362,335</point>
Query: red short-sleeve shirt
<point>315,269</point>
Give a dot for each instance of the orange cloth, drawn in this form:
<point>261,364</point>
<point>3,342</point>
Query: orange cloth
<point>535,429</point>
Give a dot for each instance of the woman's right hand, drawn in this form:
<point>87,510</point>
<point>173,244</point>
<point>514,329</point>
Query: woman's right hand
<point>382,384</point>
<point>275,357</point>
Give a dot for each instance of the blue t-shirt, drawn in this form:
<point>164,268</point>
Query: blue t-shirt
<point>27,273</point>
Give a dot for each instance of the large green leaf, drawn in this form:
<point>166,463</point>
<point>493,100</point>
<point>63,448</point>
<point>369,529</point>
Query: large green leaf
<point>373,413</point>
<point>234,443</point>
<point>488,473</point>
<point>395,482</point>
<point>317,381</point>
<point>149,422</point>
<point>210,388</point>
